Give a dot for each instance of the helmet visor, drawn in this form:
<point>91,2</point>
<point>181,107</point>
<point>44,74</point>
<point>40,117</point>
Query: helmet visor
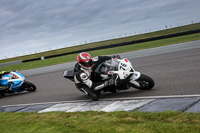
<point>87,64</point>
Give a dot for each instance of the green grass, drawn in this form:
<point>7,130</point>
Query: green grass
<point>110,51</point>
<point>100,122</point>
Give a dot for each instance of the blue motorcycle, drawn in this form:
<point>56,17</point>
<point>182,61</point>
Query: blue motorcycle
<point>14,82</point>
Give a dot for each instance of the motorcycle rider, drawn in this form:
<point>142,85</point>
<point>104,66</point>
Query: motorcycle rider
<point>3,83</point>
<point>3,73</point>
<point>85,66</point>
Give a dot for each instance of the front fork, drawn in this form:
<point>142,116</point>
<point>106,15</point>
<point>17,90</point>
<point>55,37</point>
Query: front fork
<point>136,75</point>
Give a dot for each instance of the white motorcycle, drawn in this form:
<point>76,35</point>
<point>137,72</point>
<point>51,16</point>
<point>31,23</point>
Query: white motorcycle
<point>122,68</point>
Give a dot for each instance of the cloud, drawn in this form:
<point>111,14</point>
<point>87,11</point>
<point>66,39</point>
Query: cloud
<point>48,24</point>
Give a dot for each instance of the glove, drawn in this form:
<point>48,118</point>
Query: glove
<point>116,56</point>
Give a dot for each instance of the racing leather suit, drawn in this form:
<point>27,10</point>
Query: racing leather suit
<point>3,73</point>
<point>5,83</point>
<point>83,76</point>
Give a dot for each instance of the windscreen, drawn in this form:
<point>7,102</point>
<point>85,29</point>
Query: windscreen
<point>111,65</point>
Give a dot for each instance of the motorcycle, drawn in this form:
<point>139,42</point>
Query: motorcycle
<point>123,69</point>
<point>14,82</point>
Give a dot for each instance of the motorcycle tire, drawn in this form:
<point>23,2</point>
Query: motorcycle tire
<point>1,94</point>
<point>28,86</point>
<point>91,93</point>
<point>146,82</point>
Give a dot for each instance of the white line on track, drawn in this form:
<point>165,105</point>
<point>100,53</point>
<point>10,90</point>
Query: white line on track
<point>111,99</point>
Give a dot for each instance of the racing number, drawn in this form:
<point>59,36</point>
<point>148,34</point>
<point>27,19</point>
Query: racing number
<point>123,66</point>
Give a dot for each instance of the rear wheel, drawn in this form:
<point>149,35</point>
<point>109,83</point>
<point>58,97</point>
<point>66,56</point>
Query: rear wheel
<point>1,94</point>
<point>146,82</point>
<point>28,86</point>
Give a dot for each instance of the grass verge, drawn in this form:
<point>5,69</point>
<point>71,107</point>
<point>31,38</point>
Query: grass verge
<point>100,122</point>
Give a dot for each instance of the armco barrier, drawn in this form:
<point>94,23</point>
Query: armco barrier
<point>110,46</point>
<point>120,44</point>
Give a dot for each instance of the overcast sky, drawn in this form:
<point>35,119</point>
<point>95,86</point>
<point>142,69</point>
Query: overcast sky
<point>29,26</point>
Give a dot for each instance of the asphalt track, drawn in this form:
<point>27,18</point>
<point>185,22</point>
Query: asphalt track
<point>175,69</point>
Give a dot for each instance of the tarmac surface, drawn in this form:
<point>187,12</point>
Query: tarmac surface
<point>174,68</point>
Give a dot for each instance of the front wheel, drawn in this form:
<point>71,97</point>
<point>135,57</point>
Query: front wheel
<point>146,82</point>
<point>28,86</point>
